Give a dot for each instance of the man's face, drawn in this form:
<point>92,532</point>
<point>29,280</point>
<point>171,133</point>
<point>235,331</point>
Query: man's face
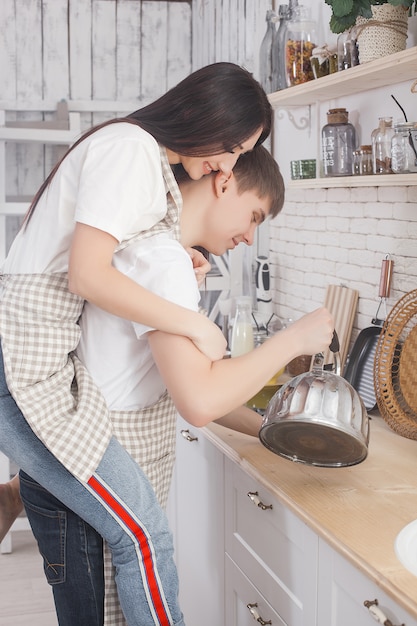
<point>233,218</point>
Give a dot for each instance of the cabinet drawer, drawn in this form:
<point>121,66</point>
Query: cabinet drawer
<point>272,546</point>
<point>343,589</point>
<point>244,602</point>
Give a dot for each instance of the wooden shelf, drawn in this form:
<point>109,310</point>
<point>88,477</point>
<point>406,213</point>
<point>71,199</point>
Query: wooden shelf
<point>388,70</point>
<point>383,180</point>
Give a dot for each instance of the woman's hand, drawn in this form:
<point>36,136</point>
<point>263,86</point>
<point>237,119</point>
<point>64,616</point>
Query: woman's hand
<point>209,339</point>
<point>200,264</point>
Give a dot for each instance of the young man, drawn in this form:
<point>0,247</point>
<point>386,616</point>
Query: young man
<point>135,365</point>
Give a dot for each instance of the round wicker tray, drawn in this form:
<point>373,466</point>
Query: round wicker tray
<point>395,372</point>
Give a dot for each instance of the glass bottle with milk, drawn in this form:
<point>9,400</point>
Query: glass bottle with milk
<point>242,332</point>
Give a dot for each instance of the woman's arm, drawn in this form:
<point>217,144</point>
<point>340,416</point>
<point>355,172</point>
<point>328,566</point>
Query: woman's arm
<point>203,390</point>
<point>92,276</point>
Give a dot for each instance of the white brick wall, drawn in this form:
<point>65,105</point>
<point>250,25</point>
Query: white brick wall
<point>341,236</point>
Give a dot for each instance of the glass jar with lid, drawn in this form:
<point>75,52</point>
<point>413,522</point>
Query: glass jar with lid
<point>404,148</point>
<point>338,144</point>
<point>300,42</point>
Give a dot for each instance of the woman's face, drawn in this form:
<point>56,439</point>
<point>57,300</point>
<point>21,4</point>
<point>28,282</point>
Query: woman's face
<point>196,167</point>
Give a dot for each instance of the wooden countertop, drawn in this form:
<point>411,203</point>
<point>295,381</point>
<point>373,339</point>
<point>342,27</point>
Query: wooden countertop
<point>358,510</point>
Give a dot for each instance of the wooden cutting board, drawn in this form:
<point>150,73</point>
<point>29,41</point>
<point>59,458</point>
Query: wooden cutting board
<point>342,303</point>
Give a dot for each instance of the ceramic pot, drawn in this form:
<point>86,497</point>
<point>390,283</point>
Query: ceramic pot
<point>385,33</point>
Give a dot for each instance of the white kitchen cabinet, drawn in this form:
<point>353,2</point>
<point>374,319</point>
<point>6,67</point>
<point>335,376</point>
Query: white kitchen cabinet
<point>245,603</point>
<point>246,556</point>
<point>196,516</point>
<point>275,550</point>
<point>343,592</point>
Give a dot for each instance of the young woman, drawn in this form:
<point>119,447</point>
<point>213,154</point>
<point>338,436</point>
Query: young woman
<point>111,185</point>
<point>219,212</point>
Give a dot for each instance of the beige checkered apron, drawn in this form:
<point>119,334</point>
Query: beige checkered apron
<point>39,332</point>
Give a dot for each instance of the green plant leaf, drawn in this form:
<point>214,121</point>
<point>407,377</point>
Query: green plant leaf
<point>340,24</point>
<point>403,3</point>
<point>341,7</point>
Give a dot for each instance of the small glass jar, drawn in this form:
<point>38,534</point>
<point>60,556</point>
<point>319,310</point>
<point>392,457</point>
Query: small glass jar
<point>323,61</point>
<point>362,162</point>
<point>338,144</point>
<point>299,44</point>
<point>303,168</point>
<point>404,148</point>
<point>381,146</point>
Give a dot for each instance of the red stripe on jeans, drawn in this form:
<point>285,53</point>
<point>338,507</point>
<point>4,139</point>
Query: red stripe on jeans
<point>134,527</point>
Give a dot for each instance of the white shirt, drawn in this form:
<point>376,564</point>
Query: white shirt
<point>115,351</point>
<point>112,181</point>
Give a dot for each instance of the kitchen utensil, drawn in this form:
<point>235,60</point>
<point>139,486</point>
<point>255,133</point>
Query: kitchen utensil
<point>359,369</point>
<point>263,311</point>
<point>317,418</point>
<point>396,367</point>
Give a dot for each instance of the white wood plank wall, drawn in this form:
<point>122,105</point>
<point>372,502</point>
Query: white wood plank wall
<point>115,50</point>
<point>119,51</point>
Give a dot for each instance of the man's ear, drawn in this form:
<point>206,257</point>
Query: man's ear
<point>221,183</point>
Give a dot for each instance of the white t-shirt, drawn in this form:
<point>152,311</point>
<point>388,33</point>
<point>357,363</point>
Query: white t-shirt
<point>115,351</point>
<point>112,180</point>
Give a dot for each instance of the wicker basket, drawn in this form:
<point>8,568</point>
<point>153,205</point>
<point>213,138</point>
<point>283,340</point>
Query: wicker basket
<point>385,33</point>
<point>395,372</point>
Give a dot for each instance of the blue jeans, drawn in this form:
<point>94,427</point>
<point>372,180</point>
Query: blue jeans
<point>119,502</point>
<point>72,553</point>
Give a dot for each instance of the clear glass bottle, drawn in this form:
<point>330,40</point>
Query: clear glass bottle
<point>300,40</point>
<point>265,52</point>
<point>279,77</point>
<point>404,148</point>
<point>381,139</point>
<point>347,49</point>
<point>242,332</point>
<point>338,141</point>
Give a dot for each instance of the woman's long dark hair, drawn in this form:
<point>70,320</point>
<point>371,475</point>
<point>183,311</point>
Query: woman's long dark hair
<point>213,110</point>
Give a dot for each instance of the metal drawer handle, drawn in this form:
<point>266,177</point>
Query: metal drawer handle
<point>186,434</point>
<point>252,610</point>
<point>377,614</point>
<point>254,496</point>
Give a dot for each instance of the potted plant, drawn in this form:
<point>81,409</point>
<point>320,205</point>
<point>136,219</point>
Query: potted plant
<point>380,27</point>
<point>345,12</point>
